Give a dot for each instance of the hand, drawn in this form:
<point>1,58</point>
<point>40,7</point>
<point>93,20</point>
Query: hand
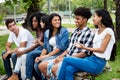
<point>79,45</point>
<point>36,41</point>
<point>37,59</point>
<point>19,53</point>
<point>15,50</point>
<point>58,59</point>
<point>74,55</point>
<point>41,58</point>
<point>6,54</point>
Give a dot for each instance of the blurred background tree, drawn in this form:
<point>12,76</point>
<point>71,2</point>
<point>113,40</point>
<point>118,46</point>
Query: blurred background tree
<point>31,6</point>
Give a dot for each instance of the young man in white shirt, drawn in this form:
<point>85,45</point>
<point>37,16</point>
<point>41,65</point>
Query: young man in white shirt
<point>21,37</point>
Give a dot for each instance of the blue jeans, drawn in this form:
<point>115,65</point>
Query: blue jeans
<point>30,60</point>
<point>7,64</point>
<point>71,65</point>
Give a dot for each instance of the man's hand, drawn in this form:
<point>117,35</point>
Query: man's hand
<point>6,54</point>
<point>19,53</point>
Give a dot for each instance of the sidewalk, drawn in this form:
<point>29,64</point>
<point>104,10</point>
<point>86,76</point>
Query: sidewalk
<point>3,30</point>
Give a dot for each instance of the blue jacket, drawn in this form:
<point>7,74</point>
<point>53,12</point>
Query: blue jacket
<point>61,41</point>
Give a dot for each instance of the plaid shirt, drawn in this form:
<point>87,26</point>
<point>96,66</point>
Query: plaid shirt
<point>84,36</point>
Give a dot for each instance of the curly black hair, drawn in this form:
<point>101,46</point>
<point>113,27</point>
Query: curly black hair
<point>82,11</point>
<point>38,16</point>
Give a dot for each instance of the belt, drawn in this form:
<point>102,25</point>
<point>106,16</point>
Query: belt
<point>99,57</point>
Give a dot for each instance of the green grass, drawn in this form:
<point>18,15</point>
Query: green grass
<point>3,40</point>
<point>115,73</point>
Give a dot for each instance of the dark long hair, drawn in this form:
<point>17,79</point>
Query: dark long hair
<point>45,20</point>
<point>107,21</point>
<point>38,16</point>
<point>51,26</point>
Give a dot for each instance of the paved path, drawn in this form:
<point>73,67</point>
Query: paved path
<point>3,30</point>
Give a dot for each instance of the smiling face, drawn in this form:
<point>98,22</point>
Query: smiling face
<point>80,21</point>
<point>12,27</point>
<point>34,23</point>
<point>56,22</point>
<point>96,19</point>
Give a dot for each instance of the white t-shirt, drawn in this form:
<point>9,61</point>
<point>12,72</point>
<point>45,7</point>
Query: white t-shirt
<point>52,42</point>
<point>24,35</point>
<point>97,41</point>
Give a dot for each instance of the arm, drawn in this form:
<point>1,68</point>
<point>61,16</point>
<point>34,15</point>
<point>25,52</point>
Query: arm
<point>55,51</point>
<point>8,50</point>
<point>41,57</point>
<point>80,55</point>
<point>44,55</point>
<point>38,41</point>
<point>100,49</point>
<point>19,53</point>
<point>60,57</point>
<point>8,45</point>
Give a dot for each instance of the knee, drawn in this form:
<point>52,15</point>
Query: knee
<point>42,66</point>
<point>69,70</point>
<point>54,70</point>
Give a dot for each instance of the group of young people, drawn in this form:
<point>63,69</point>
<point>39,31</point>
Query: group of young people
<point>52,55</point>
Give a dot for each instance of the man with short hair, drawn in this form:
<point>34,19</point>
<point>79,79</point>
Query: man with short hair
<point>21,37</point>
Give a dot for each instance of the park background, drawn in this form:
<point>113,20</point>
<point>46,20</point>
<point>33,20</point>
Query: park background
<point>20,10</point>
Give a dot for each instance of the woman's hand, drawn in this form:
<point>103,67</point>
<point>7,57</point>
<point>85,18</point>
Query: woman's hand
<point>37,59</point>
<point>36,41</point>
<point>58,59</point>
<point>41,58</point>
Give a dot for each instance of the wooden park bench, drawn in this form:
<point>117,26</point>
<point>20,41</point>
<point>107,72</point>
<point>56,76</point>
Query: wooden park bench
<point>84,76</point>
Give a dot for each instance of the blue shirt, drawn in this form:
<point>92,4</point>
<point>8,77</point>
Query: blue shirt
<point>61,41</point>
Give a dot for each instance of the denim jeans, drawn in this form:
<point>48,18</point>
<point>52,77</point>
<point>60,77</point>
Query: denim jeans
<point>7,64</point>
<point>71,65</point>
<point>30,60</point>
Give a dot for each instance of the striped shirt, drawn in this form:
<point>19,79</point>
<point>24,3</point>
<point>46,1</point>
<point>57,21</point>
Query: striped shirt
<point>84,36</point>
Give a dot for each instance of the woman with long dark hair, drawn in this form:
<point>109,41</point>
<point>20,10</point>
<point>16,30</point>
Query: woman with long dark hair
<point>55,42</point>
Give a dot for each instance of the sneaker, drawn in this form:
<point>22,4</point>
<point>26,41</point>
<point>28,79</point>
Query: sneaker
<point>5,77</point>
<point>13,77</point>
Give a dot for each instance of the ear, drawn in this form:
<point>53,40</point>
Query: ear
<point>85,19</point>
<point>100,18</point>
